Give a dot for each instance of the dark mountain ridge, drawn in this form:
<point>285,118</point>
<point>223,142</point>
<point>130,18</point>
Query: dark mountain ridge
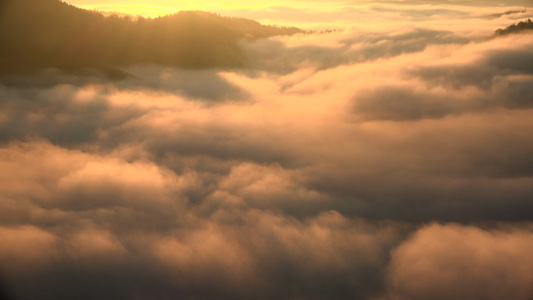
<point>51,33</point>
<point>520,27</point>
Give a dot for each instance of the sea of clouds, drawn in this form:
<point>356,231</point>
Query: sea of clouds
<point>384,162</point>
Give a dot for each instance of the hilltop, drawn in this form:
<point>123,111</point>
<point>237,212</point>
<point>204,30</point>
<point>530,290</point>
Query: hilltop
<point>521,27</point>
<point>51,33</point>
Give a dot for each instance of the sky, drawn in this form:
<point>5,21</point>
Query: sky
<point>390,160</point>
<point>313,14</point>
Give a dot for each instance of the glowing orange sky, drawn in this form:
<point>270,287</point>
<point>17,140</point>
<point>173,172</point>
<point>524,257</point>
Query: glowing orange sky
<point>304,14</point>
<point>162,7</point>
<point>308,14</point>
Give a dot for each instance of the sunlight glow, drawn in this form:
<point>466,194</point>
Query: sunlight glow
<point>159,8</point>
<point>133,9</point>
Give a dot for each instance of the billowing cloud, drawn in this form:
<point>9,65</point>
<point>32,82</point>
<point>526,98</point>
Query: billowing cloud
<point>391,161</point>
<point>463,262</point>
<point>88,217</point>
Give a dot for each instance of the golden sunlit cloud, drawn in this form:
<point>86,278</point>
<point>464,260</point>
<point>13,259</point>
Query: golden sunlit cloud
<point>204,157</point>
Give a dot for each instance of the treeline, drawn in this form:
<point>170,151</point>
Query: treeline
<point>51,33</point>
<point>515,28</point>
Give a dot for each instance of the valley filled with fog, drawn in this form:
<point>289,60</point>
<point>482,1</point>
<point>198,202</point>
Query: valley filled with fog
<point>389,158</point>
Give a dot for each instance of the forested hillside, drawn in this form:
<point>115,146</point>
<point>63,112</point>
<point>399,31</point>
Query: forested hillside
<point>516,28</point>
<point>51,33</point>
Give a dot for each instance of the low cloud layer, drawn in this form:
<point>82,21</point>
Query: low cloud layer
<point>368,163</point>
<point>463,262</point>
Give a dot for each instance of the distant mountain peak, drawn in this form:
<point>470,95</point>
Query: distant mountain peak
<point>520,27</point>
<point>54,34</point>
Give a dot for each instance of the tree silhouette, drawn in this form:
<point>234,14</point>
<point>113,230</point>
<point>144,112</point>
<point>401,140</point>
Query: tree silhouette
<point>515,28</point>
<point>51,33</point>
